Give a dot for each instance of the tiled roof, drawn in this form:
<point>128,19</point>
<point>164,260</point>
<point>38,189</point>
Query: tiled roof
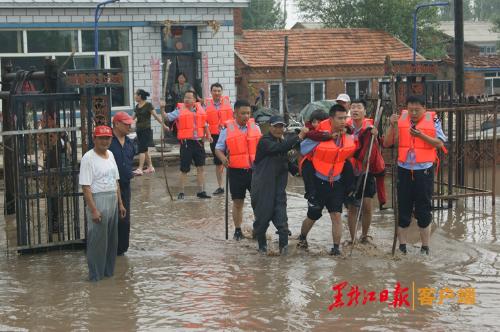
<point>123,3</point>
<point>320,47</point>
<point>483,61</point>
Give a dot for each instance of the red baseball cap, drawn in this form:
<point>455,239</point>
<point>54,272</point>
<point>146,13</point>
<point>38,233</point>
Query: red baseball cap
<point>123,117</point>
<point>103,131</point>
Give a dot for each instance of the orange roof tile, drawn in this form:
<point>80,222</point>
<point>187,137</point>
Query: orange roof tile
<point>320,47</point>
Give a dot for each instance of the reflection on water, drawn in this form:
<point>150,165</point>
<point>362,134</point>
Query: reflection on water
<point>180,274</point>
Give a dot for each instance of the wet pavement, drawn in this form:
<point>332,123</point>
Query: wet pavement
<point>181,274</point>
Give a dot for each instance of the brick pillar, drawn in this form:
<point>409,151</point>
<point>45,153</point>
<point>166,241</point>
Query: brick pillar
<point>238,22</point>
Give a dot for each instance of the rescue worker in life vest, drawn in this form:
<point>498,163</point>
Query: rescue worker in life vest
<point>418,134</point>
<point>192,129</point>
<point>269,183</point>
<point>362,129</point>
<point>328,159</point>
<point>239,140</point>
<point>219,111</point>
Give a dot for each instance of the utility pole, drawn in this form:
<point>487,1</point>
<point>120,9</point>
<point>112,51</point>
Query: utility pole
<point>283,83</point>
<point>459,85</point>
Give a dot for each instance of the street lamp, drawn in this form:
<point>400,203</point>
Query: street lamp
<point>97,16</point>
<point>415,24</point>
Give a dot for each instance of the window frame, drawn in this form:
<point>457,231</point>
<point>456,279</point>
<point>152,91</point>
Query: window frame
<point>311,83</point>
<point>107,55</point>
<point>356,81</point>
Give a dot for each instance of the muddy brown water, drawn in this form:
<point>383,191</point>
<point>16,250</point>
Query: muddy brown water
<point>180,274</point>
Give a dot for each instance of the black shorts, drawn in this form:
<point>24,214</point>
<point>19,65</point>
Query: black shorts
<point>329,195</point>
<point>212,148</point>
<point>240,180</point>
<point>370,189</point>
<point>144,139</point>
<point>192,151</point>
<point>415,196</point>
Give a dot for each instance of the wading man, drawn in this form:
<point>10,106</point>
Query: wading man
<point>192,129</point>
<point>269,183</point>
<point>239,140</point>
<point>99,180</point>
<point>419,135</point>
<point>123,152</point>
<point>219,111</point>
<point>328,159</point>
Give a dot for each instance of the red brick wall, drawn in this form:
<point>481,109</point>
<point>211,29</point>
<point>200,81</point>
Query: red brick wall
<point>474,84</point>
<point>334,88</point>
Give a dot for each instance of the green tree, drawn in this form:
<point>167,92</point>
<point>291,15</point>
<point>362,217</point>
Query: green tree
<point>393,16</point>
<point>484,10</point>
<point>448,13</point>
<point>263,14</point>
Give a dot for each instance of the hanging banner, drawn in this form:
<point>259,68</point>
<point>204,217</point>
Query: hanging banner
<point>206,83</point>
<point>155,78</point>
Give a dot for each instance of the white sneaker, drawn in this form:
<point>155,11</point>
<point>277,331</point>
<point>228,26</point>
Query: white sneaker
<point>137,172</point>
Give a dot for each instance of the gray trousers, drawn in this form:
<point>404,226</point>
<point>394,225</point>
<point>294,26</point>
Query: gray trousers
<point>102,237</point>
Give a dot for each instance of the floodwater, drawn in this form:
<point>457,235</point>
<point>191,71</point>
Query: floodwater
<point>181,274</point>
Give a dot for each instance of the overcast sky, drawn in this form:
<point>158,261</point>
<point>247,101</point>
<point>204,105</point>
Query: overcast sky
<point>292,16</point>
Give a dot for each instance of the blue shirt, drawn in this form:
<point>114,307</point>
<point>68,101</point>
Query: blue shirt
<point>124,157</point>
<point>308,145</point>
<point>174,115</point>
<point>410,157</point>
<point>221,142</point>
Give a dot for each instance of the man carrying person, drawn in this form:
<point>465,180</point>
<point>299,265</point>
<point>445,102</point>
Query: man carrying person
<point>219,111</point>
<point>328,159</point>
<point>192,129</point>
<point>123,152</point>
<point>101,191</point>
<point>239,140</point>
<point>418,134</point>
<point>269,183</point>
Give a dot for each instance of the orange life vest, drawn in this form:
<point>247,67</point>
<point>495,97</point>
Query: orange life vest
<point>328,159</point>
<point>217,118</point>
<point>356,163</point>
<point>424,152</point>
<point>191,125</point>
<point>242,146</point>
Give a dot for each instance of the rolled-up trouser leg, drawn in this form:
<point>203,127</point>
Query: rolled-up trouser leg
<point>102,237</point>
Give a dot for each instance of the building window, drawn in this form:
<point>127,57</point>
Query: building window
<point>274,96</point>
<point>492,83</point>
<point>27,49</point>
<point>40,41</point>
<point>299,94</point>
<point>11,41</point>
<point>109,40</point>
<point>359,89</point>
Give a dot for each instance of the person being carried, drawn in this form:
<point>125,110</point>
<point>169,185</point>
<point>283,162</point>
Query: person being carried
<point>269,183</point>
<point>418,134</point>
<point>239,141</point>
<point>306,167</point>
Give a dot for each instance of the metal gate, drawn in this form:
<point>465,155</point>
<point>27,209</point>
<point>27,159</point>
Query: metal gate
<point>49,206</point>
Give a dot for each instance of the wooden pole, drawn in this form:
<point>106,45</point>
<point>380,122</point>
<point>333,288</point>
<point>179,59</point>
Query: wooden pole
<point>285,74</point>
<point>394,159</point>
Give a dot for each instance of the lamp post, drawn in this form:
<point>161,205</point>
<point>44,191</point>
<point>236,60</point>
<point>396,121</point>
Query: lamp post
<point>435,4</point>
<point>97,16</point>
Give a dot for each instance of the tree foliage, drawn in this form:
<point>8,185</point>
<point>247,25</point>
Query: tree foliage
<point>393,16</point>
<point>475,10</point>
<point>263,14</point>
